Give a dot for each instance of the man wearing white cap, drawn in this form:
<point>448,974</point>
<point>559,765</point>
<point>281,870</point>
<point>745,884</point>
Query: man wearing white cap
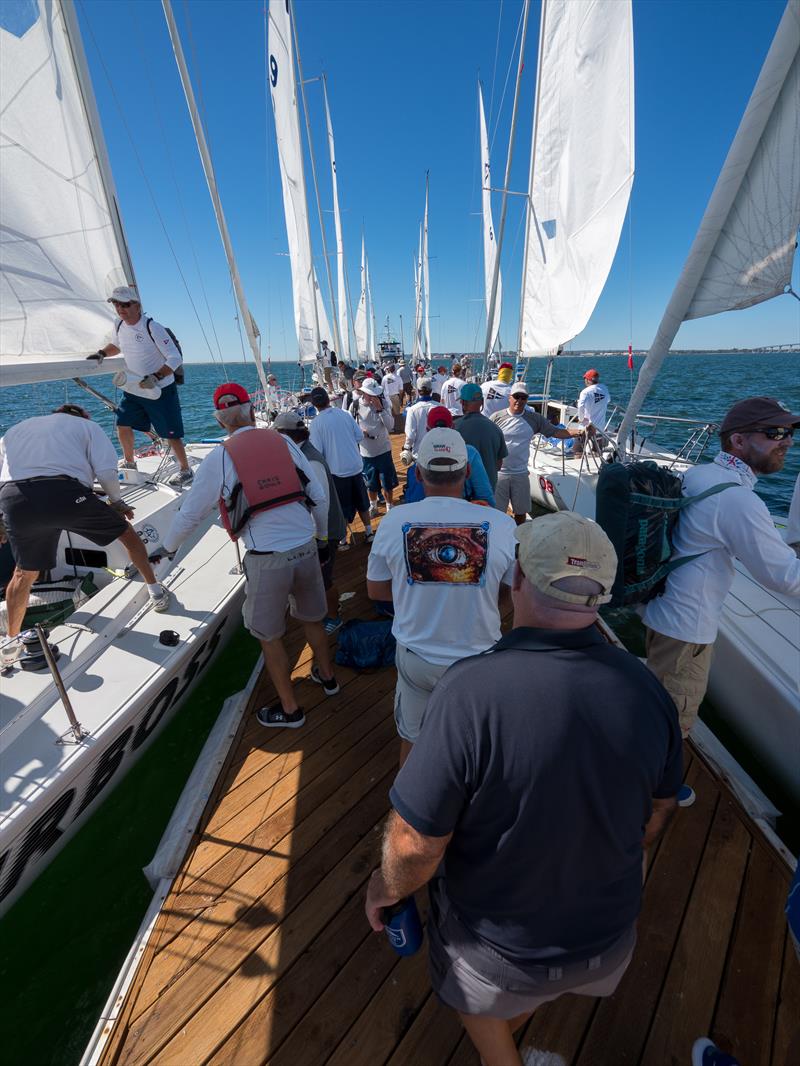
<point>149,394</point>
<point>441,562</point>
<point>374,416</point>
<point>543,771</point>
<point>519,426</point>
<point>417,421</point>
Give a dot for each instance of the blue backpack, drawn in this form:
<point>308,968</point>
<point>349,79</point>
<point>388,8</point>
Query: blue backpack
<point>366,645</point>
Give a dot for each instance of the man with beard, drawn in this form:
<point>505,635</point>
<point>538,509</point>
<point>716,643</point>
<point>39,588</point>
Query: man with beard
<point>682,623</point>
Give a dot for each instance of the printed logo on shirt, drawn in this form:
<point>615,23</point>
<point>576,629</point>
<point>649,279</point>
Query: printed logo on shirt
<point>441,554</point>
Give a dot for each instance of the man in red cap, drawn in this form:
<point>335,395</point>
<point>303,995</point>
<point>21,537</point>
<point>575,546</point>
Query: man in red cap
<point>592,407</point>
<point>285,532</point>
<point>682,624</point>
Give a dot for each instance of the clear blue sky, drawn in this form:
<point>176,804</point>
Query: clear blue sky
<point>402,83</point>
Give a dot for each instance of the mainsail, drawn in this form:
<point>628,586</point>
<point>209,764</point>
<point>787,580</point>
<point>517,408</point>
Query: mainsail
<point>293,182</point>
<point>426,288</point>
<point>744,249</point>
<point>360,325</point>
<point>344,332</point>
<point>582,163</point>
<point>62,246</point>
<point>489,242</point>
<point>417,351</point>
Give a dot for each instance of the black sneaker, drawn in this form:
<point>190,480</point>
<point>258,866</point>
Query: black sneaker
<point>276,718</point>
<point>331,686</point>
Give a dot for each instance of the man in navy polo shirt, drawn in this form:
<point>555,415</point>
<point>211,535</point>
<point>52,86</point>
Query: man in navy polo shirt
<point>544,769</point>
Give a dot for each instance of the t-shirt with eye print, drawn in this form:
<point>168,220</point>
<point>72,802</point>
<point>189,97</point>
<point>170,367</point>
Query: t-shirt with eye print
<point>446,559</point>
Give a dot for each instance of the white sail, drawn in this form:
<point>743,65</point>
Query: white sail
<point>426,288</point>
<point>744,249</point>
<point>293,183</point>
<point>418,299</point>
<point>344,331</point>
<point>489,242</point>
<point>360,325</point>
<point>62,247</point>
<point>249,323</point>
<point>582,163</point>
<point>325,332</point>
<point>370,318</point>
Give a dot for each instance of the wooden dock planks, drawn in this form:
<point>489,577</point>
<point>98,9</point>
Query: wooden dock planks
<point>262,952</point>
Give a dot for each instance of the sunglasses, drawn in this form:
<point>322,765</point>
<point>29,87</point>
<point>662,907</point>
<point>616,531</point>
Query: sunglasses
<point>776,432</point>
<point>121,303</point>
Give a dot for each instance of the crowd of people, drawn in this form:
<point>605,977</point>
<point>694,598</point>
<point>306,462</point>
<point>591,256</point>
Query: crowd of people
<point>528,821</point>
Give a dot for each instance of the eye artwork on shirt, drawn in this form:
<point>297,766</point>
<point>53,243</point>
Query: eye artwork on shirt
<point>454,555</point>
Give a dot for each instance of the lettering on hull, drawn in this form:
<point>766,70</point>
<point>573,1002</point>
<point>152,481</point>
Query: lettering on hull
<point>29,850</point>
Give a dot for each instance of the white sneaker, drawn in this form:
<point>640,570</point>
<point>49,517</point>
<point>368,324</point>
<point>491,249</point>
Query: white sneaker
<point>373,510</point>
<point>123,464</point>
<point>161,603</point>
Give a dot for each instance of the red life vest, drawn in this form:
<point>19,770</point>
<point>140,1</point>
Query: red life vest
<point>266,477</point>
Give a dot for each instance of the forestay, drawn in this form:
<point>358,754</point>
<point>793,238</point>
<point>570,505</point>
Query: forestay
<point>62,248</point>
<point>344,332</point>
<point>582,163</point>
<point>489,242</point>
<point>293,182</point>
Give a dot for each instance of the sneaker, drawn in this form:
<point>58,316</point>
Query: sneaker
<point>706,1053</point>
<point>123,464</point>
<point>369,537</point>
<point>373,510</point>
<point>331,686</point>
<point>686,796</point>
<point>161,603</point>
<point>332,624</point>
<point>276,718</point>
<point>182,477</point>
<point>343,545</point>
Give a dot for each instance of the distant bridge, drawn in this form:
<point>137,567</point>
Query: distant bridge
<point>793,346</point>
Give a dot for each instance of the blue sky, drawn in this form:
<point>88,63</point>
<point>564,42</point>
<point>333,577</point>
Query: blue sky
<point>402,83</point>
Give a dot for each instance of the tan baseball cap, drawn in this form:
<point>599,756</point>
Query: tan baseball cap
<point>442,449</point>
<point>562,545</point>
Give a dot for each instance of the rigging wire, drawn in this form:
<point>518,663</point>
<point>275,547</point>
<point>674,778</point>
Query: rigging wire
<point>198,81</point>
<point>181,205</point>
<point>505,83</point>
<point>496,56</point>
<point>143,172</point>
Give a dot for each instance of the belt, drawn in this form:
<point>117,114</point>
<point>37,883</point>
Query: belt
<point>252,551</point>
<point>45,477</point>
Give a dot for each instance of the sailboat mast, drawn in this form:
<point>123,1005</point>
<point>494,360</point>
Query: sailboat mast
<point>343,338</point>
<point>426,274</point>
<point>504,207</point>
<point>208,167</point>
<point>316,186</point>
<point>528,204</point>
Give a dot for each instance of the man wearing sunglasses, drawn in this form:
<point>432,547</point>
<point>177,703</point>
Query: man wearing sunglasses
<point>682,624</point>
<point>151,358</point>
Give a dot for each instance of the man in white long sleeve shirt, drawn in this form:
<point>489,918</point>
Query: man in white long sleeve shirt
<point>48,465</point>
<point>375,420</point>
<point>682,623</point>
<point>149,393</point>
<point>282,564</point>
<point>793,526</point>
<point>417,421</point>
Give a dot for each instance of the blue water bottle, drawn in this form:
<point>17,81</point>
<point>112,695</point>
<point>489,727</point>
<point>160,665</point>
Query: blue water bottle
<point>403,927</point>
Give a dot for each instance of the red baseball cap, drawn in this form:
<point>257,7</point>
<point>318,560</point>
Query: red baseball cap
<point>230,395</point>
<point>439,416</point>
<point>506,366</point>
<point>591,374</point>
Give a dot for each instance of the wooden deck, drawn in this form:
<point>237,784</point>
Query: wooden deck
<point>262,952</point>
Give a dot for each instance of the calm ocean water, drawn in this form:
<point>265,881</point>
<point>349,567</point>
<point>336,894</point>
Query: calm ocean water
<point>689,386</point>
<point>64,942</point>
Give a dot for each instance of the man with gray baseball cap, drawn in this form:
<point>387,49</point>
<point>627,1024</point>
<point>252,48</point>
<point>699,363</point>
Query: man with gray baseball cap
<point>682,623</point>
<point>522,805</point>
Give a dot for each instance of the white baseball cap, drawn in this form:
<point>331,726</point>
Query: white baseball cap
<point>519,389</point>
<point>442,449</point>
<point>371,387</point>
<point>124,294</point>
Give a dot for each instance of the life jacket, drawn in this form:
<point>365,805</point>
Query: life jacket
<point>266,477</point>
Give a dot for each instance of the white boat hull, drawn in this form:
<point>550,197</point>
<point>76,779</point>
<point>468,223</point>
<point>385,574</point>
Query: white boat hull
<point>123,683</point>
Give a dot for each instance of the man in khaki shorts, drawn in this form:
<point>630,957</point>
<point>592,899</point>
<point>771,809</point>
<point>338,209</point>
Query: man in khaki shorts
<point>285,543</point>
<point>537,766</point>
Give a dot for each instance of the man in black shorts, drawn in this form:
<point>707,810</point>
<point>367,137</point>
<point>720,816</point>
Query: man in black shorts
<point>48,465</point>
<point>544,770</point>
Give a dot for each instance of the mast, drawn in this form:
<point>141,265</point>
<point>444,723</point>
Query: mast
<point>425,274</point>
<point>503,209</point>
<point>758,131</point>
<point>316,190</point>
<point>343,337</point>
<point>251,329</point>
